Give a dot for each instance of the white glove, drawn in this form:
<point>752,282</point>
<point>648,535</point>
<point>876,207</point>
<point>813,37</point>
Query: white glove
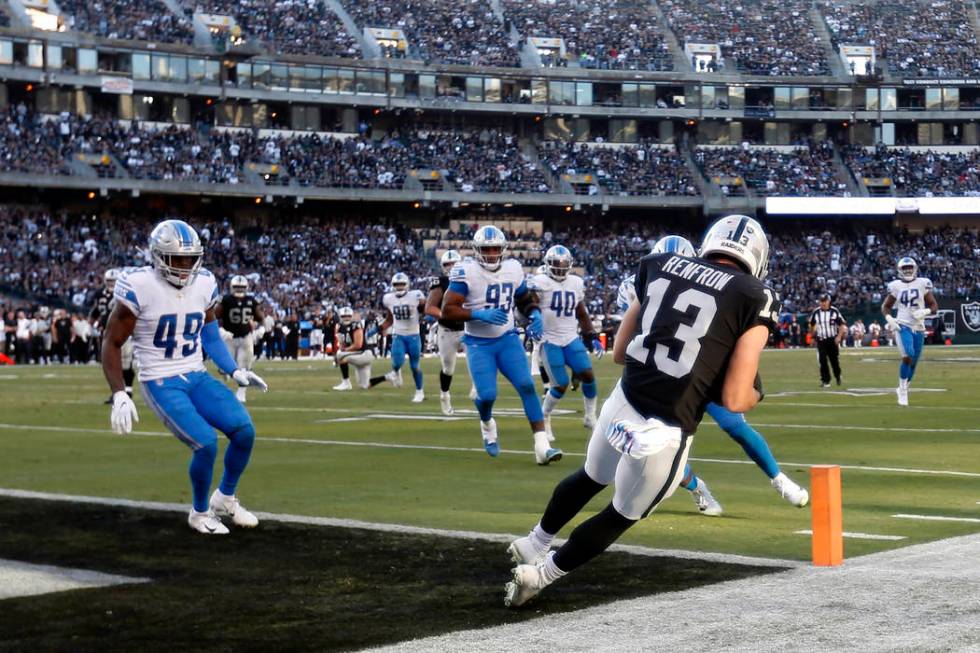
<point>641,439</point>
<point>225,334</point>
<point>259,332</point>
<point>123,413</point>
<point>246,378</point>
<point>920,313</point>
<point>892,321</point>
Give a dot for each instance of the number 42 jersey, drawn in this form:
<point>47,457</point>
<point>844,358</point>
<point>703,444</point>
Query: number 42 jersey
<point>166,340</point>
<point>693,312</point>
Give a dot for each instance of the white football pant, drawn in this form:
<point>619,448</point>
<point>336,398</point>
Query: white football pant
<point>243,351</point>
<point>449,349</point>
<point>361,362</point>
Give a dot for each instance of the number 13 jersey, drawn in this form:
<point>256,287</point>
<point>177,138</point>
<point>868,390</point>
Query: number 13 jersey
<point>693,312</point>
<point>486,289</point>
<point>166,340</point>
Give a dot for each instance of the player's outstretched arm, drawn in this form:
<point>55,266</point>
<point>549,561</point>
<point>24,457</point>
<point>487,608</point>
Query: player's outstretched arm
<point>216,349</point>
<point>626,329</point>
<point>118,329</point>
<point>738,394</point>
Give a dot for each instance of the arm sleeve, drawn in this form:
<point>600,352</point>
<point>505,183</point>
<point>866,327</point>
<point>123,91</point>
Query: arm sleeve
<point>459,287</point>
<point>215,347</point>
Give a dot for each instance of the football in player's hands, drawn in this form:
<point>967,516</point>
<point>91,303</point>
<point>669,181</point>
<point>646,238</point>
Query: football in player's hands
<point>246,378</point>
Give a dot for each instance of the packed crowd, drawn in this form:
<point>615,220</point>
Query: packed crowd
<point>619,34</point>
<point>643,169</point>
<point>139,20</point>
<point>285,26</point>
<point>918,173</point>
<point>917,38</point>
<point>764,37</point>
<point>804,172</point>
<point>465,32</point>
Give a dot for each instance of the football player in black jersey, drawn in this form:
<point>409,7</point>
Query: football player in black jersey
<point>353,350</point>
<point>239,314</point>
<point>450,332</point>
<point>104,303</point>
<point>693,335</point>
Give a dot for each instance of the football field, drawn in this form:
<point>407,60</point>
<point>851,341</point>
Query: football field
<point>910,475</point>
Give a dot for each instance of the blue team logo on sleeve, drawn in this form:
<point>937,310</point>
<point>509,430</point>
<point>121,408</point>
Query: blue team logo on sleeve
<point>124,291</point>
<point>458,273</point>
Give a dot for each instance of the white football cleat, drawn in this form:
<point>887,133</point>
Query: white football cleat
<point>206,522</point>
<point>528,581</point>
<point>343,385</point>
<point>523,552</point>
<point>419,397</point>
<point>589,421</point>
<point>222,504</point>
<point>394,378</point>
<point>240,395</point>
<point>790,491</point>
<point>544,453</point>
<point>706,503</point>
<point>446,403</point>
<point>547,427</point>
<point>903,396</point>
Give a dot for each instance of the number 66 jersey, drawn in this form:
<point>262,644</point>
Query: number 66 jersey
<point>489,289</point>
<point>693,312</point>
<point>168,320</point>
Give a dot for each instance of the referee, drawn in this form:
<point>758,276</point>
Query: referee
<point>828,328</point>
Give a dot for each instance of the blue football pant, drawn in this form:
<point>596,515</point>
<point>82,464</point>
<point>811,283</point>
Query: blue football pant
<point>573,355</point>
<point>910,344</point>
<point>411,345</point>
<point>506,354</point>
<point>192,406</point>
<point>751,441</point>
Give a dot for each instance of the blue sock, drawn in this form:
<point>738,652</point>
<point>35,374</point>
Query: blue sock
<point>201,469</point>
<point>905,371</point>
<point>590,389</point>
<point>485,408</point>
<point>692,483</point>
<point>236,458</point>
<point>417,375</point>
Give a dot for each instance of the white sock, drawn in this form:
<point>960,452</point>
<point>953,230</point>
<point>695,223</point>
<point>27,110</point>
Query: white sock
<point>550,571</point>
<point>903,383</point>
<point>540,539</point>
<point>549,403</point>
<point>590,405</point>
<point>486,427</point>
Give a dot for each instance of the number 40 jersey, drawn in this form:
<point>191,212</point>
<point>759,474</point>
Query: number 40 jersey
<point>486,289</point>
<point>559,299</point>
<point>693,312</point>
<point>168,320</point>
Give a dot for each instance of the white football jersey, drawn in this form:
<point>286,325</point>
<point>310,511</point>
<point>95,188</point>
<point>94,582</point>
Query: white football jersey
<point>486,289</point>
<point>166,339</point>
<point>627,293</point>
<point>405,311</point>
<point>910,296</point>
<point>558,302</point>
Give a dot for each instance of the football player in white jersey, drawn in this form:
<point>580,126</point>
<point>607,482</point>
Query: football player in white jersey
<point>734,424</point>
<point>562,296</point>
<point>483,292</point>
<point>168,309</point>
<point>915,301</point>
<point>403,307</point>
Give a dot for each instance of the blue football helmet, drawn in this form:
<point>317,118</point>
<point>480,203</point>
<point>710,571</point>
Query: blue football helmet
<point>674,245</point>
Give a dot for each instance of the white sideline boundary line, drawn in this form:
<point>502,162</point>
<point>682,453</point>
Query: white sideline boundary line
<point>435,447</point>
<point>19,579</point>
<point>859,536</point>
<point>286,518</point>
<point>966,520</point>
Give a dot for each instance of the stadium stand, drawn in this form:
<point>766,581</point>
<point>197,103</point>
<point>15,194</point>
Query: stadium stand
<point>644,169</point>
<point>918,173</point>
<point>138,20</point>
<point>800,172</point>
<point>916,38</point>
<point>762,37</point>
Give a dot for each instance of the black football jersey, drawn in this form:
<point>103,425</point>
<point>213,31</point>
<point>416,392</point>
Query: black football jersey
<point>345,333</point>
<point>442,282</point>
<point>693,312</point>
<point>103,306</point>
<point>237,314</point>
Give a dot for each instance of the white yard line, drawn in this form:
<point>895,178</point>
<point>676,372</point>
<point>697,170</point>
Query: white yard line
<point>860,536</point>
<point>966,520</point>
<point>399,528</point>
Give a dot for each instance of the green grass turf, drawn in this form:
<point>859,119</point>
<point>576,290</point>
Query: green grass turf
<point>284,587</point>
<point>468,490</point>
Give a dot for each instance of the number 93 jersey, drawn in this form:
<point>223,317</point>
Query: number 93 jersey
<point>166,340</point>
<point>910,296</point>
<point>485,289</point>
<point>558,301</point>
<point>692,313</point>
<point>405,311</point>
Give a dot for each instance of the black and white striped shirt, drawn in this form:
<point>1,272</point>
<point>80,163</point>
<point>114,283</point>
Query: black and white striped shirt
<point>827,323</point>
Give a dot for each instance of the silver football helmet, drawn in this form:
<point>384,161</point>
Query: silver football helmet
<point>674,245</point>
<point>449,258</point>
<point>489,247</point>
<point>741,238</point>
<point>346,315</point>
<point>176,252</point>
<point>907,268</point>
<point>558,261</point>
<point>239,285</point>
<point>110,277</point>
<point>399,283</point>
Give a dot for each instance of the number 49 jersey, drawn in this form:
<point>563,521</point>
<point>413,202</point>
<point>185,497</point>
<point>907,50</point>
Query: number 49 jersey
<point>910,296</point>
<point>558,301</point>
<point>486,289</point>
<point>166,339</point>
<point>404,311</point>
<point>693,312</point>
